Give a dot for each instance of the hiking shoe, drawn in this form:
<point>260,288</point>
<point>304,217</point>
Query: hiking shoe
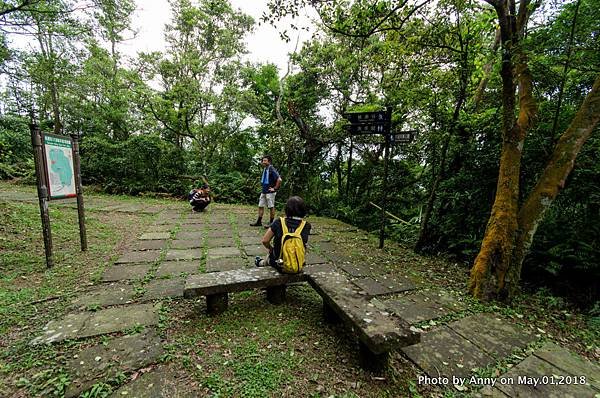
<point>259,262</point>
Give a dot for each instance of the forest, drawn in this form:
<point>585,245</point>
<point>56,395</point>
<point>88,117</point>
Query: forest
<point>504,96</point>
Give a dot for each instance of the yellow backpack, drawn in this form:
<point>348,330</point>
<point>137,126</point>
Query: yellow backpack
<point>292,249</point>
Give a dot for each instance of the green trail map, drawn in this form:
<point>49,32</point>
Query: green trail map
<point>59,166</point>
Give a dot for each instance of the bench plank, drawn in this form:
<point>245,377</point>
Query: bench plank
<point>380,331</point>
<point>237,281</point>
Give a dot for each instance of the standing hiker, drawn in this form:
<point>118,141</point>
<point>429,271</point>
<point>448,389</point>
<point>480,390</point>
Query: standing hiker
<point>270,182</point>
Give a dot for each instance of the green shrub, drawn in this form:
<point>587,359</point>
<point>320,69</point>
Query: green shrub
<point>16,155</point>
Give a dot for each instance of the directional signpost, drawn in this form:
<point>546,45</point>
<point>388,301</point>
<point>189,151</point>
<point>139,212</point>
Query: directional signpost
<point>402,137</point>
<point>379,122</point>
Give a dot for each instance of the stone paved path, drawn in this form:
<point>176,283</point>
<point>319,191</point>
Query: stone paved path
<point>455,343</point>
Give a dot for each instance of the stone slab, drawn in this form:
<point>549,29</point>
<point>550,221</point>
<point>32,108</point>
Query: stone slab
<point>220,233</point>
<point>186,244</point>
<point>250,240</point>
<point>547,376</point>
<point>125,272</point>
<point>255,250</point>
<point>237,281</point>
<point>310,269</point>
<point>357,270</point>
<point>195,219</point>
<point>105,295</point>
<point>155,235</point>
<point>219,223</point>
<point>495,336</point>
<point>147,256</point>
<point>443,352</point>
<point>184,254</point>
<point>194,227</point>
<point>220,264</point>
<point>314,258</point>
<point>378,330</point>
<point>424,306</point>
<point>224,252</point>
<point>102,362</point>
<point>415,309</point>
<point>166,221</point>
<point>380,285</point>
<point>176,268</point>
<point>159,383</point>
<point>154,244</point>
<point>339,258</point>
<point>161,228</point>
<point>570,363</point>
<point>86,324</point>
<point>163,288</point>
<point>169,215</point>
<point>220,242</point>
<point>252,233</point>
<point>445,299</point>
<point>325,246</point>
<point>191,235</point>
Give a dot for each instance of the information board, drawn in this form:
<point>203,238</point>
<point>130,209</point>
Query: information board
<point>60,171</point>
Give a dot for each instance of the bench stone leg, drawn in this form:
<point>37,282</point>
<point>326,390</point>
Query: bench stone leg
<point>276,294</point>
<point>330,315</point>
<point>371,361</point>
<point>217,303</point>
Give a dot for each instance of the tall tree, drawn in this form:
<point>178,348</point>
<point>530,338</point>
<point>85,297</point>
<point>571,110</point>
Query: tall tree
<point>114,21</point>
<point>198,74</point>
<point>510,229</point>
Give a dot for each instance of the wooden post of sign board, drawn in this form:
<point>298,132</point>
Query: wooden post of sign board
<point>385,177</point>
<point>42,189</point>
<point>79,191</point>
<point>349,175</point>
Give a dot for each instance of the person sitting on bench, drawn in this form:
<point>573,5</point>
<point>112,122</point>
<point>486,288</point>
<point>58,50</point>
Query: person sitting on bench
<point>295,211</point>
<point>199,198</point>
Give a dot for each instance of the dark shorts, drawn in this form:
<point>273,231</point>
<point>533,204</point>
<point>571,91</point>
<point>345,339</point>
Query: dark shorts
<point>199,205</point>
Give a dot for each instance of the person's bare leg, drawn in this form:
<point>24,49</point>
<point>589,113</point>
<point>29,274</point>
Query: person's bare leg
<point>272,213</point>
<point>261,211</point>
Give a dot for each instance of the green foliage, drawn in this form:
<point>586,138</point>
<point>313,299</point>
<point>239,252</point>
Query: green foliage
<point>48,383</point>
<point>98,390</point>
<point>16,155</point>
<point>142,163</point>
<point>234,187</point>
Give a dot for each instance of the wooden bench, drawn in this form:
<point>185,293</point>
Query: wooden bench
<point>379,332</point>
<point>216,285</point>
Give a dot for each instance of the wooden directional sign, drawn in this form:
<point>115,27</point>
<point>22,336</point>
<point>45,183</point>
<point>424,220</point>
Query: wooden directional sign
<point>379,117</point>
<point>357,129</point>
<point>369,122</point>
<point>402,137</point>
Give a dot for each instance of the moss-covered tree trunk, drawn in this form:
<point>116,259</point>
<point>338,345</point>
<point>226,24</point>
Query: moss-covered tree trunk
<point>555,174</point>
<point>510,231</point>
<point>491,274</point>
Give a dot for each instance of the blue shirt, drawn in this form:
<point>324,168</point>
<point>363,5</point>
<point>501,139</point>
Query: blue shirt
<point>269,178</point>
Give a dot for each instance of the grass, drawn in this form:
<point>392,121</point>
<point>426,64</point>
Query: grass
<point>255,349</point>
<point>31,294</point>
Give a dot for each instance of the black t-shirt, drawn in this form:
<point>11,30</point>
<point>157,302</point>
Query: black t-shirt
<point>291,224</point>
